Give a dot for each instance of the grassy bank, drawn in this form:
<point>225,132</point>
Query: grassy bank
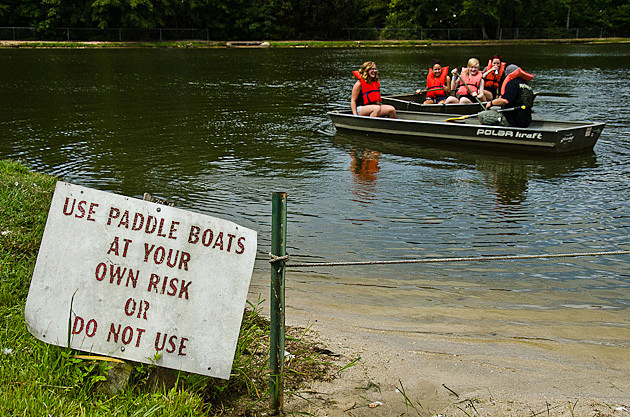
<point>47,380</point>
<point>306,44</point>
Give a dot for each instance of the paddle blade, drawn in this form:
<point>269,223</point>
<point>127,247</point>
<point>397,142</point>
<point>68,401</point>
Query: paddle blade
<point>453,119</point>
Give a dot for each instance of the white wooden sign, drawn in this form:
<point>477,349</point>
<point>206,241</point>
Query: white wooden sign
<point>131,279</point>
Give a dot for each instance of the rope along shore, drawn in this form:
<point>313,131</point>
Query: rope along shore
<point>275,259</point>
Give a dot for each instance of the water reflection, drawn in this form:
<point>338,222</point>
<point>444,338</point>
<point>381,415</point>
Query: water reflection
<point>509,184</point>
<point>506,174</point>
<point>493,188</point>
<point>508,177</point>
<point>364,167</point>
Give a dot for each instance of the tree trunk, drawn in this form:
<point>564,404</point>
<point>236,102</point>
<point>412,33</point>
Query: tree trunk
<point>498,32</point>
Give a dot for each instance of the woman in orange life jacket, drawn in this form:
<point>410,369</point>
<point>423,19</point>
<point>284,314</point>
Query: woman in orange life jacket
<point>438,83</point>
<point>492,77</point>
<point>471,77</point>
<point>366,94</point>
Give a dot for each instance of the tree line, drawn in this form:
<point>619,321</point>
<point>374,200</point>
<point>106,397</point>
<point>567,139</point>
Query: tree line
<point>314,19</point>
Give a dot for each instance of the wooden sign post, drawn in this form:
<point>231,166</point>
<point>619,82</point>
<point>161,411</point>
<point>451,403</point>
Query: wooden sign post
<point>135,280</point>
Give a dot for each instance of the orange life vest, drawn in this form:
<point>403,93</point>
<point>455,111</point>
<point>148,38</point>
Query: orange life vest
<point>519,73</point>
<point>370,92</point>
<point>492,80</point>
<point>433,82</point>
<point>473,82</point>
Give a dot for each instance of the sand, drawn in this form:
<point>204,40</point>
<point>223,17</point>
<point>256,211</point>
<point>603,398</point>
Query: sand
<point>458,360</point>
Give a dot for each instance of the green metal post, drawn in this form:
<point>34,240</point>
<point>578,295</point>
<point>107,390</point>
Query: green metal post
<point>276,338</point>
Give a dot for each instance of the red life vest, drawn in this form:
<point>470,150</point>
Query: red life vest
<point>433,82</point>
<point>519,73</point>
<point>492,80</point>
<point>473,82</point>
<point>370,92</point>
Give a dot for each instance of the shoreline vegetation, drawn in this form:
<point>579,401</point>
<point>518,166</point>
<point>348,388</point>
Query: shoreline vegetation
<point>302,44</point>
<point>39,379</point>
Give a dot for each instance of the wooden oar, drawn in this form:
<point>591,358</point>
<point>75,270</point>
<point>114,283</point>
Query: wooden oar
<point>470,92</point>
<point>452,119</point>
<point>418,92</point>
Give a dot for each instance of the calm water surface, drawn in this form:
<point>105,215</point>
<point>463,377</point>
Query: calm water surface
<point>219,130</point>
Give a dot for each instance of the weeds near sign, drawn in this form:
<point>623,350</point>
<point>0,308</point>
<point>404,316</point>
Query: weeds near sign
<point>350,364</point>
<point>86,373</point>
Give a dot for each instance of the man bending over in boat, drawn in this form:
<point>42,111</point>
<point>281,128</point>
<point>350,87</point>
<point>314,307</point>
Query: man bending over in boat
<point>515,102</point>
<point>366,94</point>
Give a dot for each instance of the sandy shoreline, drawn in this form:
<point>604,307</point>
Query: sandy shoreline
<point>459,360</point>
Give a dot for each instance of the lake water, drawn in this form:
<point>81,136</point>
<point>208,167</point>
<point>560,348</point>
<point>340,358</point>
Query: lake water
<point>219,130</point>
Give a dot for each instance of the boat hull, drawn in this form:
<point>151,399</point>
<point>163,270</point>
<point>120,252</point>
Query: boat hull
<point>543,136</point>
<point>414,102</point>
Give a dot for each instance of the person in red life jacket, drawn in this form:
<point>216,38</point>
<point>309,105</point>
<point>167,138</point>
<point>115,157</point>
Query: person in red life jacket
<point>366,94</point>
<point>469,84</point>
<point>516,101</point>
<point>492,77</point>
<point>438,84</point>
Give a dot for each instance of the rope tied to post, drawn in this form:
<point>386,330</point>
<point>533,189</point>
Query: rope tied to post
<point>460,259</point>
<point>275,259</point>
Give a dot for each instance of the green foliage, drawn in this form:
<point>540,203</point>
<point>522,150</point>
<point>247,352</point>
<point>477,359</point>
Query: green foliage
<point>313,19</point>
<point>490,15</point>
<point>401,14</point>
<point>621,19</point>
<point>142,14</point>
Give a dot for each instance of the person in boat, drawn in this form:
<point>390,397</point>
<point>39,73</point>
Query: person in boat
<point>492,77</point>
<point>469,84</point>
<point>366,94</point>
<point>514,106</point>
<point>438,84</point>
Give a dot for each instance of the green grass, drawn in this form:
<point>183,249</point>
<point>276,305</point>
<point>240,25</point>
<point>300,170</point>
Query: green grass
<point>40,379</point>
<point>104,44</point>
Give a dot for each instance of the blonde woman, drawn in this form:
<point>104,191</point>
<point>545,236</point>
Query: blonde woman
<point>469,84</point>
<point>366,94</point>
